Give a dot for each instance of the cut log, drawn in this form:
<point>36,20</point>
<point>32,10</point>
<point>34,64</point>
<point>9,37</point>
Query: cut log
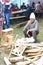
<point>16,59</point>
<point>32,50</point>
<point>34,54</point>
<point>23,63</point>
<point>39,62</point>
<point>7,61</point>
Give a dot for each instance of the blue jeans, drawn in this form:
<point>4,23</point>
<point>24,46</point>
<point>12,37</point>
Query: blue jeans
<point>7,16</point>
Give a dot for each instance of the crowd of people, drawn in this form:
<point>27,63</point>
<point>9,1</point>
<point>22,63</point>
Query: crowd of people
<point>34,7</point>
<point>37,6</point>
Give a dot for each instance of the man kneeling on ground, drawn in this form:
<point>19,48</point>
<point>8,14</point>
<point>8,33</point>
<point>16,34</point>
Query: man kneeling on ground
<point>32,26</point>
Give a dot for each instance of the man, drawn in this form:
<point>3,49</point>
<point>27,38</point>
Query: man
<point>7,14</point>
<point>38,7</point>
<point>23,6</point>
<point>31,26</point>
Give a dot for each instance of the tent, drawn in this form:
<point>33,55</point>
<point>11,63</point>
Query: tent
<point>5,0</point>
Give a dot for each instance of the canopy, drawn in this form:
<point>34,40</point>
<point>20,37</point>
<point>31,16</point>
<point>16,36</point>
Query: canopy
<point>5,0</point>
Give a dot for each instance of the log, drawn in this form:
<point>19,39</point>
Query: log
<point>32,50</point>
<point>39,62</point>
<point>16,59</point>
<point>23,63</point>
<point>18,25</point>
<point>12,46</point>
<point>34,54</point>
<point>7,61</point>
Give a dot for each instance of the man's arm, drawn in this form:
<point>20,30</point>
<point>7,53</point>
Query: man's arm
<point>36,28</point>
<point>25,27</point>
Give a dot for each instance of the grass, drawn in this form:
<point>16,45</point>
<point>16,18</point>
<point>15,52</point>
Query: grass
<point>19,31</point>
<point>40,36</point>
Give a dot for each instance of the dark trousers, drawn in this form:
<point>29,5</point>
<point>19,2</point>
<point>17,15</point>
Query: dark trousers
<point>34,34</point>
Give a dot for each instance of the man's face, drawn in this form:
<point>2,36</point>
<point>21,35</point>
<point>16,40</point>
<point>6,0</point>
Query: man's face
<point>32,20</point>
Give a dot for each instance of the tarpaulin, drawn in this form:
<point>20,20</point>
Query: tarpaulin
<point>5,0</point>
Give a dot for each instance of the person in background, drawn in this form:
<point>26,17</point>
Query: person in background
<point>38,6</point>
<point>32,26</point>
<point>13,8</point>
<point>7,12</point>
<point>12,5</point>
<point>16,7</point>
<point>42,6</point>
<point>38,9</point>
<point>33,4</point>
<point>23,6</point>
<point>28,10</point>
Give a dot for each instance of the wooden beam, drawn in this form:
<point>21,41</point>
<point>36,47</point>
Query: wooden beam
<point>17,17</point>
<point>16,59</point>
<point>18,25</point>
<point>20,11</point>
<point>34,54</point>
<point>32,51</point>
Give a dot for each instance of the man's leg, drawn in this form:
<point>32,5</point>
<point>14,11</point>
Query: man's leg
<point>8,20</point>
<point>34,34</point>
<point>25,31</point>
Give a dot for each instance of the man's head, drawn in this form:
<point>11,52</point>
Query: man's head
<point>23,3</point>
<point>32,17</point>
<point>38,2</point>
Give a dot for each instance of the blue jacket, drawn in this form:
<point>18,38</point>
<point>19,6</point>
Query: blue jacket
<point>5,8</point>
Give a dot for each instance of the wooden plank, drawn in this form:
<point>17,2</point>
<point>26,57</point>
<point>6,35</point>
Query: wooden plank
<point>39,61</point>
<point>7,61</point>
<point>17,25</point>
<point>23,63</point>
<point>12,46</point>
<point>34,54</point>
<point>16,59</point>
<point>34,44</point>
<point>32,51</point>
<point>17,17</point>
<point>20,11</point>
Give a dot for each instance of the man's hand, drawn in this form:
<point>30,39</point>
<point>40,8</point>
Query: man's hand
<point>27,31</point>
<point>8,8</point>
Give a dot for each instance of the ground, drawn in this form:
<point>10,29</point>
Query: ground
<point>19,31</point>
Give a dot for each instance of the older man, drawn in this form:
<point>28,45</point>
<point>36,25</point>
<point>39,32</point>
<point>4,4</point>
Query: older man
<point>31,26</point>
